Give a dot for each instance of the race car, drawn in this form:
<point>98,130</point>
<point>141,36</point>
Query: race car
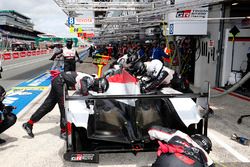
<point>119,119</point>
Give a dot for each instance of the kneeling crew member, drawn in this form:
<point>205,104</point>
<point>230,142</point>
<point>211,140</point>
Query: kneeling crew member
<point>7,119</point>
<point>177,149</point>
<point>82,82</point>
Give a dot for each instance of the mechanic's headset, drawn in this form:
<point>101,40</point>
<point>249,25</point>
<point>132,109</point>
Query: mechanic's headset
<point>203,141</point>
<point>100,85</point>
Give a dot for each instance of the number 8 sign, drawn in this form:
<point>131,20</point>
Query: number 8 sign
<point>71,20</point>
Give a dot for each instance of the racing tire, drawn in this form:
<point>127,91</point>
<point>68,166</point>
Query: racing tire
<point>80,140</point>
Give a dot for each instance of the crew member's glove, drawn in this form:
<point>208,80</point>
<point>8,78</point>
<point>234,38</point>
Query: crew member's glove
<point>88,103</point>
<point>80,61</point>
<point>51,59</point>
<point>8,109</point>
<point>144,89</point>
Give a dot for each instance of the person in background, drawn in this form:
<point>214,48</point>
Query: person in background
<point>174,57</point>
<point>109,49</point>
<point>141,51</point>
<point>91,50</point>
<point>157,52</point>
<point>58,60</point>
<point>7,118</point>
<point>70,56</point>
<point>1,67</point>
<point>82,82</point>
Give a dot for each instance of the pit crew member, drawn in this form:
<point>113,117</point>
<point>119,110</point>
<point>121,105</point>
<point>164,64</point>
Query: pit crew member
<point>70,55</point>
<point>177,149</point>
<point>153,74</point>
<point>7,118</point>
<point>82,82</point>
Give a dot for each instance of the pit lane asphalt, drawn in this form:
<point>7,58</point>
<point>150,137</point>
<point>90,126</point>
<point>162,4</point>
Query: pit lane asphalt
<point>47,149</point>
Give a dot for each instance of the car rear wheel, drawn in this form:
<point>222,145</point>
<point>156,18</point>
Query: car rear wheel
<point>80,140</point>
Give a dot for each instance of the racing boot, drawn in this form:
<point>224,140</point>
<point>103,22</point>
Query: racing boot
<point>28,128</point>
<point>63,134</point>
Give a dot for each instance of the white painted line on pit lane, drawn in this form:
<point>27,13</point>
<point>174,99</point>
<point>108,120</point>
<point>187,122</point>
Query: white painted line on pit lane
<point>235,153</point>
<point>13,66</point>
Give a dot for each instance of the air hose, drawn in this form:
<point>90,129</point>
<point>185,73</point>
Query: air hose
<point>233,88</point>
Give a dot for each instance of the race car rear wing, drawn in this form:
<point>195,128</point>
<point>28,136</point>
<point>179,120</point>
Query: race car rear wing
<point>202,99</point>
<point>138,96</point>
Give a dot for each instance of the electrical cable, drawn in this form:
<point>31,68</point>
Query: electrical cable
<point>198,49</point>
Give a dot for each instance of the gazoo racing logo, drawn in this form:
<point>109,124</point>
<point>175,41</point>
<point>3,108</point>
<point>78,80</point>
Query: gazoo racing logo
<point>198,13</point>
<point>183,14</point>
<point>82,157</point>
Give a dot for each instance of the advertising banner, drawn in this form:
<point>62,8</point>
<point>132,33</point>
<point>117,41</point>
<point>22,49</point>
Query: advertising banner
<point>33,53</point>
<point>23,54</point>
<point>84,21</point>
<point>29,53</point>
<point>7,56</point>
<point>15,55</point>
<point>81,21</point>
<point>44,51</point>
<point>38,52</point>
<point>188,22</point>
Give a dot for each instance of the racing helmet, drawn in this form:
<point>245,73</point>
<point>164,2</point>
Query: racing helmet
<point>132,58</point>
<point>100,85</point>
<point>138,69</point>
<point>2,93</point>
<point>203,141</point>
<point>69,43</point>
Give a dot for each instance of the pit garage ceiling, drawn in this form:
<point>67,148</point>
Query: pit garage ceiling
<point>114,16</point>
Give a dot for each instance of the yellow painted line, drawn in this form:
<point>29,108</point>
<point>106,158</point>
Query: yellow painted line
<point>219,164</point>
<point>29,88</point>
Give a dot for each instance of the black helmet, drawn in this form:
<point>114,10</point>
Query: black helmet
<point>138,69</point>
<point>100,85</point>
<point>203,141</point>
<point>69,40</point>
<point>132,58</point>
<point>2,93</point>
<point>69,43</point>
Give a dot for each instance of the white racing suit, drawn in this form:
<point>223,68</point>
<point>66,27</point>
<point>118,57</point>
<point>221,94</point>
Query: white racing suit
<point>177,149</point>
<point>122,61</point>
<point>69,59</point>
<point>156,75</point>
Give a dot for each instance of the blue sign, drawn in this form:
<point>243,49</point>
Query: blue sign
<point>71,20</point>
<point>20,99</point>
<point>41,80</point>
<point>23,94</point>
<point>171,28</point>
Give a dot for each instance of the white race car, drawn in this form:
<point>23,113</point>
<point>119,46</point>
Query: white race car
<point>119,119</point>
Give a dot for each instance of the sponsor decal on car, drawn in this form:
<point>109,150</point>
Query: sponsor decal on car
<point>86,157</point>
